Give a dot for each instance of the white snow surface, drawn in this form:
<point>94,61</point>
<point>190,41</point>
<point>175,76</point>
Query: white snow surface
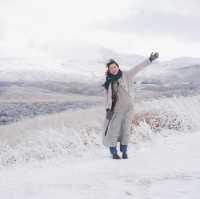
<point>166,168</point>
<point>61,156</point>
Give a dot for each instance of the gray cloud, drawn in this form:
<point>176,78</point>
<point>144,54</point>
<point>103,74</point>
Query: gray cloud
<point>174,19</point>
<point>172,24</point>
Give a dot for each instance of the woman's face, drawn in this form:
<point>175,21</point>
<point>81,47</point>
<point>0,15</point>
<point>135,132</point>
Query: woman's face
<point>113,69</point>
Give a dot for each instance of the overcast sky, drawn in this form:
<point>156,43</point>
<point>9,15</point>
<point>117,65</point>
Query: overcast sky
<point>171,27</point>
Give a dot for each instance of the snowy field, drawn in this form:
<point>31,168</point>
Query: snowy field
<point>61,155</point>
<point>166,168</point>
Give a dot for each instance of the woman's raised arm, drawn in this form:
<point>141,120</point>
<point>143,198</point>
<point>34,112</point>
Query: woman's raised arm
<point>133,71</point>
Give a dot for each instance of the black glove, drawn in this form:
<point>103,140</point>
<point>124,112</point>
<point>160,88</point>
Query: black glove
<point>109,114</point>
<point>153,56</point>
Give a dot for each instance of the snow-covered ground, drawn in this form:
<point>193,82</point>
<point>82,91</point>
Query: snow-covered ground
<point>61,156</point>
<point>165,168</point>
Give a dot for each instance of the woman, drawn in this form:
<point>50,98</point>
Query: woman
<point>119,93</point>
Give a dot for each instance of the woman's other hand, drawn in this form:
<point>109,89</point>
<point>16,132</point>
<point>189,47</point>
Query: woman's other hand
<point>108,114</point>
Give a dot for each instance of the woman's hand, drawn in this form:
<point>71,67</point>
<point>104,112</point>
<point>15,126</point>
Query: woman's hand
<point>153,56</point>
<point>108,114</point>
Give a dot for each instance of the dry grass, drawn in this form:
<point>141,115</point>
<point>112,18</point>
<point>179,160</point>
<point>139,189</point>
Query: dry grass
<point>157,121</point>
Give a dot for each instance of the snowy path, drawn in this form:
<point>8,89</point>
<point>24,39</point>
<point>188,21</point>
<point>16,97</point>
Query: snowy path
<point>165,168</point>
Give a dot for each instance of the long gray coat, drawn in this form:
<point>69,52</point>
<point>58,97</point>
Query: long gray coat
<point>118,127</point>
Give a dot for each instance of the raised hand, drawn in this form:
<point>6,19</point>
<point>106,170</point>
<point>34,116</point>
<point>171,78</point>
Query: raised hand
<point>153,56</point>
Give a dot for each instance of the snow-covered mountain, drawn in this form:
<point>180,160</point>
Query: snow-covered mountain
<point>182,62</point>
<point>90,65</point>
<point>87,65</point>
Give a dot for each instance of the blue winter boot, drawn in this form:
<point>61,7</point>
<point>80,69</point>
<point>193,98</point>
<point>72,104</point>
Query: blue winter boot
<point>123,149</point>
<point>113,151</point>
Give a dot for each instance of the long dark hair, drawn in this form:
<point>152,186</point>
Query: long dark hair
<point>110,77</point>
<point>111,61</point>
